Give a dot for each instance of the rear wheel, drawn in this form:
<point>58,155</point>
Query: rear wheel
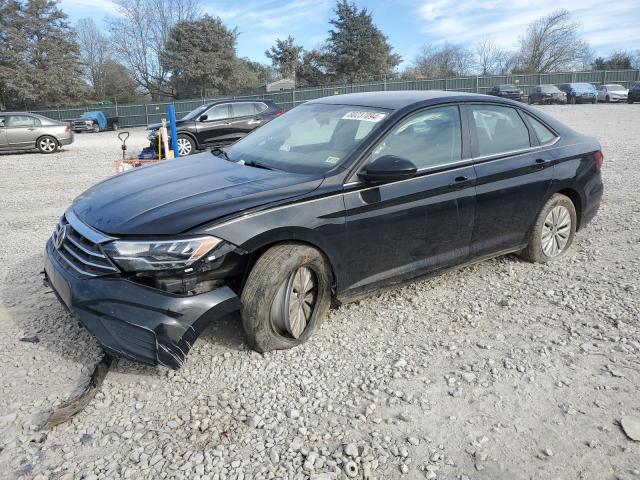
<point>115,126</point>
<point>286,297</point>
<point>553,232</point>
<point>47,144</point>
<point>186,146</point>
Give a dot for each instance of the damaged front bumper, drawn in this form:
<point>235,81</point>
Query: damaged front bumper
<point>134,321</point>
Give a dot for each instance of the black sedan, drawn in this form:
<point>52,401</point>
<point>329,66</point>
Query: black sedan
<point>336,198</point>
<point>546,94</point>
<point>220,123</point>
<point>507,91</point>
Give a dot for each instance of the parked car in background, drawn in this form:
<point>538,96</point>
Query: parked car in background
<point>26,131</point>
<point>612,92</point>
<point>579,92</point>
<point>507,91</point>
<point>94,122</point>
<point>219,124</point>
<point>634,93</point>
<point>338,197</point>
<point>546,94</point>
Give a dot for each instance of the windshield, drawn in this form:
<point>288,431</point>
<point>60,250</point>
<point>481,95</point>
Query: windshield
<point>583,87</point>
<point>615,88</point>
<point>549,88</point>
<point>195,113</point>
<point>311,138</point>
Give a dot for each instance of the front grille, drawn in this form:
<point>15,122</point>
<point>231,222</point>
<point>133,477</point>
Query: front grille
<point>79,254</point>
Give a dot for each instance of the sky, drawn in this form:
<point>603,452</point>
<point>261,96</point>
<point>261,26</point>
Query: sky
<point>409,24</point>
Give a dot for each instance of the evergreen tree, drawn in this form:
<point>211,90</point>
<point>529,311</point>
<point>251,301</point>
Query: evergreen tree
<point>285,57</point>
<point>201,56</point>
<point>357,50</point>
<point>39,57</point>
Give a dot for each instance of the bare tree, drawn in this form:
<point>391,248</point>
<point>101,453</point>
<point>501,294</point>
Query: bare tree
<point>139,33</point>
<point>94,50</point>
<point>441,62</point>
<point>553,43</point>
<point>491,59</point>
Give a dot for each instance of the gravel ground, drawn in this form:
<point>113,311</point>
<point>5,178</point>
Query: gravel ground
<point>501,370</point>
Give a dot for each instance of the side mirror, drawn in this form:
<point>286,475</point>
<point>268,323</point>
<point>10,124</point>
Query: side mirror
<point>203,118</point>
<point>388,168</point>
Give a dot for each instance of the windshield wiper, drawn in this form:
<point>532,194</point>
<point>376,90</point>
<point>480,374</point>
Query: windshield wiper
<point>218,151</point>
<point>253,163</point>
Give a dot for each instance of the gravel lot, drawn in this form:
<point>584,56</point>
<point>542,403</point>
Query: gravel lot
<point>502,370</point>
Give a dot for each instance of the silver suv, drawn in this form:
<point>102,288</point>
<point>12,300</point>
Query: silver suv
<point>26,131</point>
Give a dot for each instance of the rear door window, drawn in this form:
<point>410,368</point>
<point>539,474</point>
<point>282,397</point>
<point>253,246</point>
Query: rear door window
<point>2,122</point>
<point>244,109</point>
<point>260,107</point>
<point>499,129</point>
<point>23,121</point>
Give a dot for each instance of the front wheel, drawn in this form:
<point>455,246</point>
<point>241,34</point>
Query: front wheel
<point>115,126</point>
<point>572,100</point>
<point>47,144</point>
<point>553,232</point>
<point>286,297</point>
<point>186,146</point>
<point>95,128</point>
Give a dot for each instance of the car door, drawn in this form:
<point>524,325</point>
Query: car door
<point>244,119</point>
<point>212,127</point>
<point>513,172</point>
<point>23,130</point>
<point>405,228</point>
<point>3,132</point>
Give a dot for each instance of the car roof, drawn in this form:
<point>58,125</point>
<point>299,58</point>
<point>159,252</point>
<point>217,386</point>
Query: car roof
<point>238,100</point>
<point>394,100</point>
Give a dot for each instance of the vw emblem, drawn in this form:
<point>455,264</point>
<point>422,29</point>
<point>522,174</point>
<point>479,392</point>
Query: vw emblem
<point>62,234</point>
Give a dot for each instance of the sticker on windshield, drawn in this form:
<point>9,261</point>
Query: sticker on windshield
<point>332,160</point>
<point>364,116</point>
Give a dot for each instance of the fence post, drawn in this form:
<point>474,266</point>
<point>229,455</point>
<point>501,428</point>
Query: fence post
<point>116,100</point>
<point>604,77</point>
<point>385,83</point>
<point>477,84</point>
<point>146,114</point>
<point>293,97</point>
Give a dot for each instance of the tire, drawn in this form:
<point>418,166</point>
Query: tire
<point>47,144</point>
<point>572,100</point>
<point>558,209</point>
<point>594,101</point>
<point>186,145</point>
<point>267,296</point>
<point>607,99</point>
<point>95,128</point>
<point>115,126</point>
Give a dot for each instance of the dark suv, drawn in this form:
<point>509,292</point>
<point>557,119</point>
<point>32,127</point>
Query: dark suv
<point>507,91</point>
<point>219,123</point>
<point>634,93</point>
<point>547,94</point>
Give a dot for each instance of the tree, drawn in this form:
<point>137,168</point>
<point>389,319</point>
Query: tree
<point>313,69</point>
<point>552,43</point>
<point>119,84</point>
<point>356,49</point>
<point>285,56</point>
<point>492,60</point>
<point>139,33</point>
<point>39,57</point>
<point>249,74</point>
<point>616,61</point>
<point>94,50</point>
<point>443,61</point>
<point>201,56</point>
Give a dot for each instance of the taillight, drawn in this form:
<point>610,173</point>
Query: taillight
<point>279,112</point>
<point>599,158</point>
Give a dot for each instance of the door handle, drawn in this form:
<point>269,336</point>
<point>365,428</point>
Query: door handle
<point>460,182</point>
<point>540,164</point>
<point>254,122</point>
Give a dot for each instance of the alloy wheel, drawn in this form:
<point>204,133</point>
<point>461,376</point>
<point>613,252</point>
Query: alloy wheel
<point>184,146</point>
<point>47,144</point>
<point>556,231</point>
<point>295,301</point>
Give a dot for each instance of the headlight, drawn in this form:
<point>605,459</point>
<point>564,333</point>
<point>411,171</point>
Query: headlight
<point>145,255</point>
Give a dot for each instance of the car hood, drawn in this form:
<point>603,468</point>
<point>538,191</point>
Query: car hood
<point>177,195</point>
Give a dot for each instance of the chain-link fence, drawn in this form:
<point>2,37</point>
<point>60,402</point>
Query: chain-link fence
<point>136,115</point>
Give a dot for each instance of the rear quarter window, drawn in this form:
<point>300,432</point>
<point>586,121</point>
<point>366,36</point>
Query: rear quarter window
<point>499,130</point>
<point>544,134</point>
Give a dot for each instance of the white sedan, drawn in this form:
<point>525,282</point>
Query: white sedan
<point>612,93</point>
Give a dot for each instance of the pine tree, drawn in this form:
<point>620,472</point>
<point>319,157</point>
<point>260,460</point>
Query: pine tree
<point>39,57</point>
<point>285,56</point>
<point>357,49</point>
